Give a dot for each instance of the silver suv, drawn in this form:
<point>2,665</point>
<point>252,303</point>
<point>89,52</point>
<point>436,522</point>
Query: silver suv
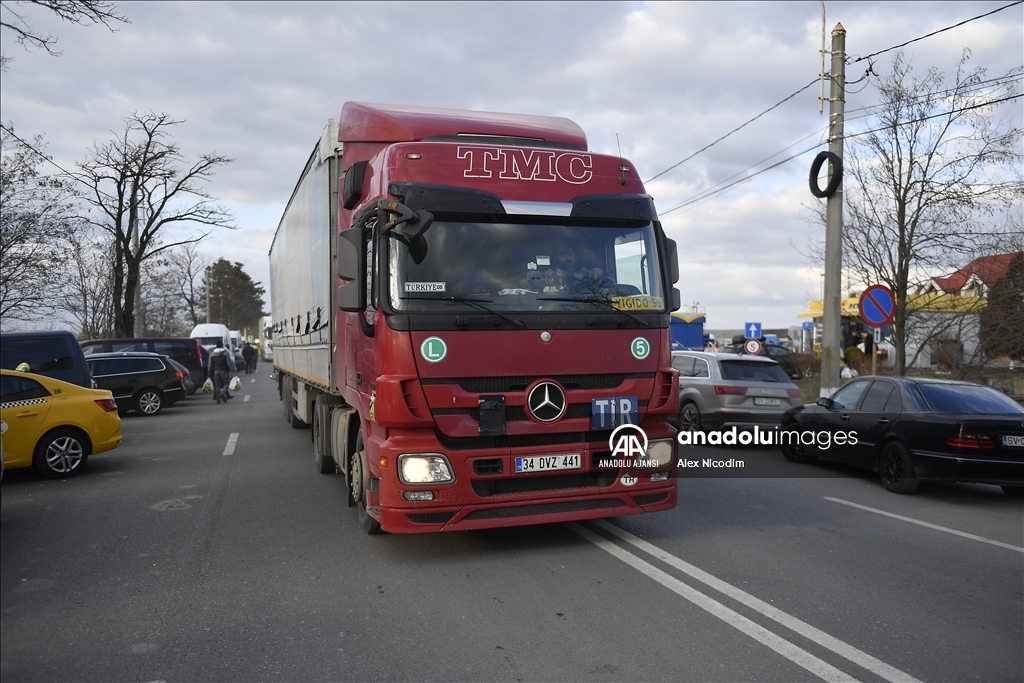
<point>722,390</point>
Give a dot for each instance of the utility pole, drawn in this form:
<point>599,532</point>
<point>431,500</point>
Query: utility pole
<point>139,322</point>
<point>831,303</point>
<point>208,272</point>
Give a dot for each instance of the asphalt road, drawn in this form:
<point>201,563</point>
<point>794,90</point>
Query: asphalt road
<point>178,557</point>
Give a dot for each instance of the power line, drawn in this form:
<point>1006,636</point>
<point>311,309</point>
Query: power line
<point>1017,75</point>
<point>935,116</point>
<point>941,30</point>
<point>714,190</point>
<point>30,146</point>
<point>706,195</point>
<point>741,126</point>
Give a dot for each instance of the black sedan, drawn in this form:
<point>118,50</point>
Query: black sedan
<point>911,429</point>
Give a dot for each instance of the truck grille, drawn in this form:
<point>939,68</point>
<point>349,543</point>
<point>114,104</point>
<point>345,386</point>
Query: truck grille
<point>650,498</point>
<point>544,509</point>
<point>552,482</point>
<point>430,517</point>
<point>487,385</point>
<point>518,413</point>
<point>488,466</point>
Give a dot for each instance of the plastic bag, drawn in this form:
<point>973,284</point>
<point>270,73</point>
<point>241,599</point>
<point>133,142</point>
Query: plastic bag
<point>208,386</point>
<point>236,384</point>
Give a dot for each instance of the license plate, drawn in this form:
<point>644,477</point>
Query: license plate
<point>547,463</point>
<point>1013,441</point>
<point>767,402</point>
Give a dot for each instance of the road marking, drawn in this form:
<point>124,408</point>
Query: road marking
<point>252,381</point>
<point>793,653</point>
<point>229,449</point>
<point>862,659</point>
<point>246,399</point>
<point>930,526</point>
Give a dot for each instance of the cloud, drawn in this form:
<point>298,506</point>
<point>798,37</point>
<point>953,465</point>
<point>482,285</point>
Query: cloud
<point>257,81</point>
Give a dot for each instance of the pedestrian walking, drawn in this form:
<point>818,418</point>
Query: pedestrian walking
<point>249,354</point>
<point>222,369</point>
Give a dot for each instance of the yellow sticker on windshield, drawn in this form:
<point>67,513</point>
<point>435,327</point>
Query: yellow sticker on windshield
<point>638,303</point>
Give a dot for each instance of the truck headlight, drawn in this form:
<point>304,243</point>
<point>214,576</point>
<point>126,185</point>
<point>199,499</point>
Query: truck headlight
<point>660,452</point>
<point>425,468</point>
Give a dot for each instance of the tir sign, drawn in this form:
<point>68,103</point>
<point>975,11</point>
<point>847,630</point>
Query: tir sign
<point>516,163</point>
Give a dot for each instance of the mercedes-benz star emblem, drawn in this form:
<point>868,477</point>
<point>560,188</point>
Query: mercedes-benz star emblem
<point>546,402</point>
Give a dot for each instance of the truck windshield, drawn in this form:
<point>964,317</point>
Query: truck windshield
<point>528,267</point>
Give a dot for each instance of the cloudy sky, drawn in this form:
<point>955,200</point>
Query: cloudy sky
<point>257,82</point>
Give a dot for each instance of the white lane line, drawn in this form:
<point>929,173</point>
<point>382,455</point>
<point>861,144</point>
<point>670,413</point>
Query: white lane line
<point>862,659</point>
<point>930,526</point>
<point>252,381</point>
<point>229,449</point>
<point>793,653</point>
<point>246,399</point>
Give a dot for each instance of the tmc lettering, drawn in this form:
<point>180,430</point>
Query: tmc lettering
<point>527,164</point>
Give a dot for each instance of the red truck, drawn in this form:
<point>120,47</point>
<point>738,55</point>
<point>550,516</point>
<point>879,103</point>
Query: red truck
<point>467,308</point>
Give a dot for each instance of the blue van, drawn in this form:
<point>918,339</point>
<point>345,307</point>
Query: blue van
<point>53,353</point>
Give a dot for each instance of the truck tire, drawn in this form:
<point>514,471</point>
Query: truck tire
<point>286,393</point>
<point>322,436</point>
<point>359,477</point>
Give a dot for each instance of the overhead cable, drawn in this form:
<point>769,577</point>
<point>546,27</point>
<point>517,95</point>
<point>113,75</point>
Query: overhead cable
<point>712,144</point>
<point>714,190</point>
<point>929,35</point>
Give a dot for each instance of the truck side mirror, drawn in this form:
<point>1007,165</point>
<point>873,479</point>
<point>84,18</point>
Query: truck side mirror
<point>673,260</point>
<point>352,267</point>
<point>352,190</point>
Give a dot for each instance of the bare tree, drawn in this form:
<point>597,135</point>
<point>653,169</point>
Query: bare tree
<point>921,183</point>
<point>81,12</point>
<point>35,221</point>
<point>140,183</point>
<point>186,266</point>
<point>88,292</point>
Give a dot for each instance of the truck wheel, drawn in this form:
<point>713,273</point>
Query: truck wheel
<point>286,393</point>
<point>358,478</point>
<point>322,437</point>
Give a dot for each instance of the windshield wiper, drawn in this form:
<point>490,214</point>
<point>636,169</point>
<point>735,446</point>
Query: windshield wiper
<point>478,304</point>
<point>595,300</point>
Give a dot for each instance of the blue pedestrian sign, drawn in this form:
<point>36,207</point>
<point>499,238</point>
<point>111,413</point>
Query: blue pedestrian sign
<point>751,330</point>
<point>877,306</point>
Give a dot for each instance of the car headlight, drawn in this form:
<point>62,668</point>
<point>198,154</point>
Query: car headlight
<point>660,452</point>
<point>425,468</point>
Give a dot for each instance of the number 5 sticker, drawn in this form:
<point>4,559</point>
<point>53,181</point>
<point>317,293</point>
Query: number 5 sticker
<point>640,347</point>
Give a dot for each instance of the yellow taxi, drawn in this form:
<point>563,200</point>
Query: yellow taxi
<point>54,426</point>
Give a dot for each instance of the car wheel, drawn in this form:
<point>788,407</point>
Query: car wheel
<point>60,453</point>
<point>149,402</point>
<point>689,418</point>
<point>895,469</point>
<point>795,452</point>
<point>357,482</point>
<point>1013,491</point>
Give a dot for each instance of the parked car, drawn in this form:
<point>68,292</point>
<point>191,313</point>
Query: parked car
<point>51,353</point>
<point>721,390</point>
<point>144,382</point>
<point>190,386</point>
<point>778,353</point>
<point>183,350</point>
<point>54,426</point>
<point>913,429</point>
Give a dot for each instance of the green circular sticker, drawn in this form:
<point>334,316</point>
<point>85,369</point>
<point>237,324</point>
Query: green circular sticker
<point>433,349</point>
<point>640,348</point>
